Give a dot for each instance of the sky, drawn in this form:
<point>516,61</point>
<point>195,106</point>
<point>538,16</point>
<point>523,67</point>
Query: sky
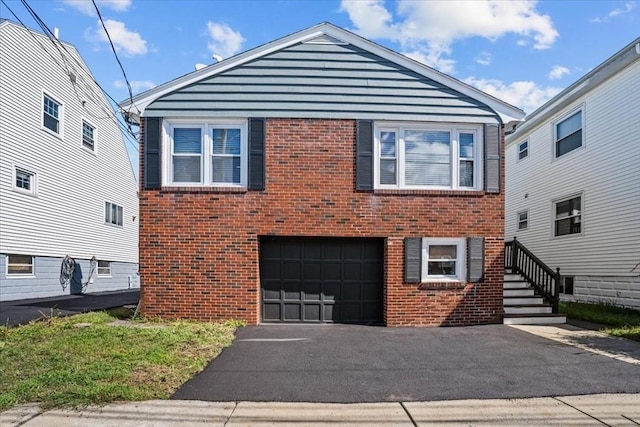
<point>522,51</point>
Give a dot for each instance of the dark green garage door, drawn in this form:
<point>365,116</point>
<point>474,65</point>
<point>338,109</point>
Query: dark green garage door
<point>321,280</point>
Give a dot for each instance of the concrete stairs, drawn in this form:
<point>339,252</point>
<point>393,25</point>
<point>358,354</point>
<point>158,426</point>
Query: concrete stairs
<point>523,307</point>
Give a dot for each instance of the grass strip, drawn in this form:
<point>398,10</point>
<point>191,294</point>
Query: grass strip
<point>93,359</point>
<point>618,321</point>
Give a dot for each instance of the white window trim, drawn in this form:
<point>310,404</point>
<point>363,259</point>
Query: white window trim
<point>518,220</point>
<point>60,134</point>
<point>104,214</point>
<point>95,136</point>
<point>519,150</point>
<point>98,268</point>
<point>461,260</point>
<point>206,124</point>
<point>554,132</point>
<point>553,216</point>
<point>20,275</point>
<point>34,180</point>
<point>455,130</point>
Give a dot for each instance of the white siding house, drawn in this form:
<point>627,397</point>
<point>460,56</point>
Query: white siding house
<point>573,182</point>
<point>66,183</point>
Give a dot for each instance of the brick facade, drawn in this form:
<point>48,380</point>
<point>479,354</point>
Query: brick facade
<point>199,246</point>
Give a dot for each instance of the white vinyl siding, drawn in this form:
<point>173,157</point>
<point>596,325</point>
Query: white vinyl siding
<point>443,259</point>
<point>606,172</point>
<point>20,265</point>
<point>206,153</point>
<point>420,156</point>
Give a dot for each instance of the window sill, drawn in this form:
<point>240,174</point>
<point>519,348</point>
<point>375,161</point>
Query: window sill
<point>442,286</point>
<point>203,190</point>
<point>408,192</point>
<point>58,135</point>
<point>25,192</point>
<point>20,276</point>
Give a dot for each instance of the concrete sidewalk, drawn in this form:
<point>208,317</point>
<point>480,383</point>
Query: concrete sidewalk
<point>589,410</point>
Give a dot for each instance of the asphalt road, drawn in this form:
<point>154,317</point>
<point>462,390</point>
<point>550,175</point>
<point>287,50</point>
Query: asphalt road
<point>343,363</point>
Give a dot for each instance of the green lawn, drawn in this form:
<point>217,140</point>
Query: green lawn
<point>618,321</point>
<point>89,359</point>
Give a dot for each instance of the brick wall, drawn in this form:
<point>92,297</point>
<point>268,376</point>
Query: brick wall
<point>199,247</point>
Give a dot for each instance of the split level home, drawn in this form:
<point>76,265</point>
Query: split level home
<point>68,194</point>
<point>573,183</point>
<point>322,178</point>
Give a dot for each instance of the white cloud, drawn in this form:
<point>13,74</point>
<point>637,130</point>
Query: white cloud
<point>124,40</point>
<point>628,7</point>
<point>86,6</point>
<point>224,41</point>
<point>484,58</point>
<point>524,94</point>
<point>137,86</point>
<point>431,27</point>
<point>557,72</point>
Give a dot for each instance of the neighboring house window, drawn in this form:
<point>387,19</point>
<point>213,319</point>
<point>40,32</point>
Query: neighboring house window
<point>568,134</point>
<point>568,216</point>
<point>523,220</point>
<point>112,213</point>
<point>523,150</point>
<point>212,154</point>
<point>51,114</point>
<point>88,136</point>
<point>24,180</point>
<point>20,265</point>
<point>433,157</point>
<point>566,285</point>
<point>104,268</point>
<point>443,259</point>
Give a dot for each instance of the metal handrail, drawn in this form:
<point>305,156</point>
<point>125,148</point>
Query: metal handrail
<point>544,280</point>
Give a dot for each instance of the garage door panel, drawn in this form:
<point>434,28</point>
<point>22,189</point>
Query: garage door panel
<point>271,312</point>
<point>321,279</point>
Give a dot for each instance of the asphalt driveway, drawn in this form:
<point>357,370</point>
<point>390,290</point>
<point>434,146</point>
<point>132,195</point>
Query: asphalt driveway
<point>343,363</point>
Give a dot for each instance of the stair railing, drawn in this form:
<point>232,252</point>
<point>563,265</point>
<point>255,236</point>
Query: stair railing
<point>544,280</point>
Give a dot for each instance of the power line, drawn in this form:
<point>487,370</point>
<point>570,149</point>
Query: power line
<point>113,48</point>
<point>124,127</point>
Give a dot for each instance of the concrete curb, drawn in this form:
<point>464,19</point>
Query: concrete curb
<point>596,410</point>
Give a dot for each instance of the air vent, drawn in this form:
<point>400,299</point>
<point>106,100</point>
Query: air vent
<point>325,39</point>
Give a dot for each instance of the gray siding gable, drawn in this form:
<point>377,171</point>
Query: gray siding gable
<point>322,80</point>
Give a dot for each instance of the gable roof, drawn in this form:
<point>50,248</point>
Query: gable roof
<point>603,72</point>
<point>135,107</point>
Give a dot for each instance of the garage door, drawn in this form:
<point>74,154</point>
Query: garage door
<point>321,280</point>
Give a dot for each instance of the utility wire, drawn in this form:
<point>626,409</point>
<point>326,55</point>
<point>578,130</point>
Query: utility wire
<point>126,127</point>
<point>113,48</point>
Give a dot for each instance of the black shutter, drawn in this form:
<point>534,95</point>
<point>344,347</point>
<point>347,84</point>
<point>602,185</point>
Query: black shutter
<point>152,144</point>
<point>492,158</point>
<point>256,154</point>
<point>475,259</point>
<point>364,155</point>
<point>412,259</point>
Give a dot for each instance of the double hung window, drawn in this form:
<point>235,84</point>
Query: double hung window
<point>443,259</point>
<point>568,216</point>
<point>88,136</point>
<point>523,150</point>
<point>523,220</point>
<point>568,134</point>
<point>416,157</point>
<point>51,114</point>
<point>104,268</point>
<point>208,154</point>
